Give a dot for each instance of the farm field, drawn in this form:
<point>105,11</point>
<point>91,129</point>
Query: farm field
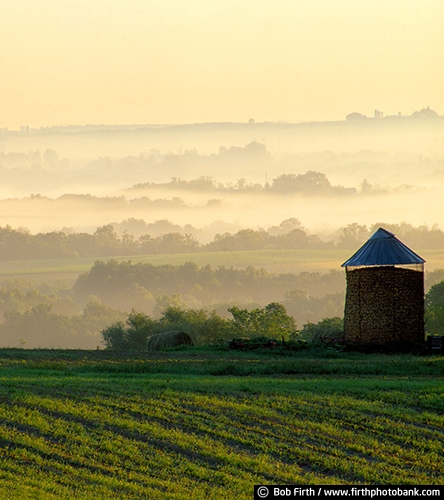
<point>207,424</point>
<point>276,261</point>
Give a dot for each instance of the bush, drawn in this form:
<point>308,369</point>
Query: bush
<point>203,327</point>
<point>272,322</point>
<point>200,326</point>
<point>129,336</point>
<point>434,312</point>
<point>328,328</point>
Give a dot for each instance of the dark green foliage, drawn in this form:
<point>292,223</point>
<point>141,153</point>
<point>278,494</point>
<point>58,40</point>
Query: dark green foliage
<point>270,322</point>
<point>202,326</point>
<point>328,328</point>
<point>435,296</point>
<point>434,312</point>
<point>114,337</point>
<point>434,320</point>
<point>131,335</point>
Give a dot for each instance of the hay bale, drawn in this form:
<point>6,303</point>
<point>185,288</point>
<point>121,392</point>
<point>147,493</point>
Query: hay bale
<point>384,304</point>
<point>167,340</point>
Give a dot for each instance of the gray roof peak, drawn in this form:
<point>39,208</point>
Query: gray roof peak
<point>383,249</point>
<point>381,233</point>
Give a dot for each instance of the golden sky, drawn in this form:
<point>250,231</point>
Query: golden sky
<point>185,61</point>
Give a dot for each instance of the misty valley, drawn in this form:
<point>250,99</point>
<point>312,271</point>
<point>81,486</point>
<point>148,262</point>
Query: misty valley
<point>221,249</point>
<point>203,218</point>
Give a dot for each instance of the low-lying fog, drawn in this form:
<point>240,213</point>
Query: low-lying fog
<point>236,174</point>
<point>317,214</point>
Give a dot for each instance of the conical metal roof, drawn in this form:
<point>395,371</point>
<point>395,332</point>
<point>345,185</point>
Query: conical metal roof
<point>383,249</point>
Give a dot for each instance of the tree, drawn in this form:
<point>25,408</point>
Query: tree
<point>107,240</point>
<point>202,183</point>
<point>139,328</point>
<point>297,238</point>
<point>353,235</point>
<point>434,303</point>
<point>277,322</point>
<point>50,158</point>
<point>38,326</point>
<point>131,335</point>
<point>202,326</point>
<point>425,113</point>
<point>434,277</point>
<point>271,321</point>
<point>355,117</point>
<point>311,182</point>
<point>177,243</point>
<point>435,296</point>
<point>285,227</point>
<point>435,321</point>
<point>164,302</point>
<point>114,337</point>
<point>366,187</point>
<point>248,239</point>
<point>327,328</point>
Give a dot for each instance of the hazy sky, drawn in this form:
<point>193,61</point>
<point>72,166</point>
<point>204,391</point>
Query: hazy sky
<point>182,61</point>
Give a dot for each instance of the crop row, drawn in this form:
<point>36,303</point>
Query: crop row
<point>166,435</point>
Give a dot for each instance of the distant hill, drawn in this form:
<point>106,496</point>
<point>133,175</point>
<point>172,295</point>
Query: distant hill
<point>423,114</point>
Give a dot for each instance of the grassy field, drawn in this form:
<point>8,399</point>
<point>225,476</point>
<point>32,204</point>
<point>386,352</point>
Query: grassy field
<point>211,424</point>
<point>277,261</point>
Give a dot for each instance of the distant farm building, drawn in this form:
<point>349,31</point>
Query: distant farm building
<point>384,302</point>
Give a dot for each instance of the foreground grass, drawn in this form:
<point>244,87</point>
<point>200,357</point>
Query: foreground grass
<point>198,424</point>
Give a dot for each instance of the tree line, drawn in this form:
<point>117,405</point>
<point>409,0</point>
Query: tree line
<point>56,315</point>
<point>144,286</point>
<point>310,183</point>
<point>204,327</point>
<point>17,244</point>
<point>434,307</point>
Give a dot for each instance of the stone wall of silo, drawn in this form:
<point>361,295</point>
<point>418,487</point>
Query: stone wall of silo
<point>409,301</point>
<point>384,304</point>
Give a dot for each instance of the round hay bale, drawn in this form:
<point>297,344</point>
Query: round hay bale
<point>167,340</point>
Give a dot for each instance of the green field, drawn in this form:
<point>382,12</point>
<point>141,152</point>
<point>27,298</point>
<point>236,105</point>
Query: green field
<point>209,425</point>
<point>278,261</point>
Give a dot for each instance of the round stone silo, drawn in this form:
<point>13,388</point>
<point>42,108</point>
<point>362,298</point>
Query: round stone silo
<point>384,302</point>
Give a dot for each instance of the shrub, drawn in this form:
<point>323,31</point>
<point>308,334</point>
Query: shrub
<point>328,328</point>
<point>129,336</point>
<point>434,312</point>
<point>272,322</point>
